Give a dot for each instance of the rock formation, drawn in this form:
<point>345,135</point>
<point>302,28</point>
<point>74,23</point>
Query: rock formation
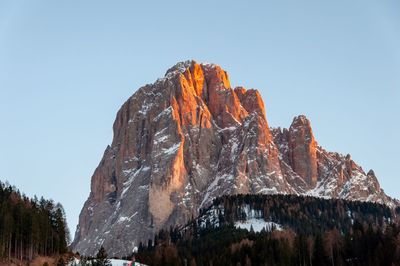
<point>190,137</point>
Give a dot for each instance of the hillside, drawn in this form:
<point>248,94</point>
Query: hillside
<point>300,231</point>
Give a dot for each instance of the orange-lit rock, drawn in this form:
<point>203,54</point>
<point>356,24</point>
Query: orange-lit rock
<point>251,100</point>
<point>222,102</point>
<point>188,138</point>
<point>303,150</point>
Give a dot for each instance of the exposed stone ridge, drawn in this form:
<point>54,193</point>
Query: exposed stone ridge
<point>303,150</point>
<point>190,137</point>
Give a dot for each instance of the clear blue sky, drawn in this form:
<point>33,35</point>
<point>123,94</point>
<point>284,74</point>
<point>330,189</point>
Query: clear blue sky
<point>67,66</point>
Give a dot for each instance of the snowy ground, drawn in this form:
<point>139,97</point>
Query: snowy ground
<point>114,262</point>
<point>258,225</point>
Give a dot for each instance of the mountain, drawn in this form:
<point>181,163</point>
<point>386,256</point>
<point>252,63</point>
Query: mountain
<point>190,137</point>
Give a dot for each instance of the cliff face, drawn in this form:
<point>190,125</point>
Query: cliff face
<point>190,137</point>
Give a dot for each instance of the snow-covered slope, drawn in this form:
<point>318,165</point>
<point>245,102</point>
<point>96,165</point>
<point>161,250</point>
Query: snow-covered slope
<point>190,137</point>
<point>253,219</point>
<point>114,262</point>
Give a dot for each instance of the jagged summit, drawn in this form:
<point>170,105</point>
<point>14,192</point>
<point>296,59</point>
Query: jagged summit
<point>189,137</point>
<point>183,66</point>
<point>301,120</point>
<point>180,67</point>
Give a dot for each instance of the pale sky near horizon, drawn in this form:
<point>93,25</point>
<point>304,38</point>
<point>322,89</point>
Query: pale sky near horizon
<point>67,66</point>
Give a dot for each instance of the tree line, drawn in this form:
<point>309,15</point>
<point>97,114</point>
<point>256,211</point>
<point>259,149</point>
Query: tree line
<point>30,226</point>
<point>316,232</point>
<point>304,214</point>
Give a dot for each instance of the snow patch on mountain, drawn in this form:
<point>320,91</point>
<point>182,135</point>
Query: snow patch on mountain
<point>258,225</point>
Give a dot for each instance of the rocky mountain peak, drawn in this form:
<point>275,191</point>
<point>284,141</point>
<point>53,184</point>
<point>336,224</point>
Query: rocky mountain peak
<point>190,137</point>
<point>301,120</point>
<point>251,100</point>
<point>303,150</point>
<point>211,83</point>
<point>371,172</point>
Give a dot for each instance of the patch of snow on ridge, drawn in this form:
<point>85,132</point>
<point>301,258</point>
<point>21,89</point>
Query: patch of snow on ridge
<point>172,149</point>
<point>323,189</point>
<point>114,262</point>
<point>132,175</point>
<point>166,111</point>
<point>122,219</point>
<point>160,139</point>
<point>213,186</point>
<point>258,225</point>
<point>145,108</point>
<point>272,190</point>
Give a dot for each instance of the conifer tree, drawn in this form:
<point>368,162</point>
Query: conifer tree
<point>30,227</point>
<point>102,258</point>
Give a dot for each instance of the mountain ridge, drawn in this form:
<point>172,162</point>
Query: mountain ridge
<point>190,137</point>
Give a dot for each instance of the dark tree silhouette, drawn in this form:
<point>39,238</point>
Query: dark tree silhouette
<point>102,258</point>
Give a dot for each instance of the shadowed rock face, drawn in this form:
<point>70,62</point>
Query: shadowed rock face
<point>190,137</point>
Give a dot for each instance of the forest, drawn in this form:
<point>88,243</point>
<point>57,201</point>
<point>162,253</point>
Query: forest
<point>315,232</point>
<point>303,214</point>
<point>30,227</point>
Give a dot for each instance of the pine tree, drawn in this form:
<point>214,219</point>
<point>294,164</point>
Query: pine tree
<point>29,227</point>
<point>101,258</point>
